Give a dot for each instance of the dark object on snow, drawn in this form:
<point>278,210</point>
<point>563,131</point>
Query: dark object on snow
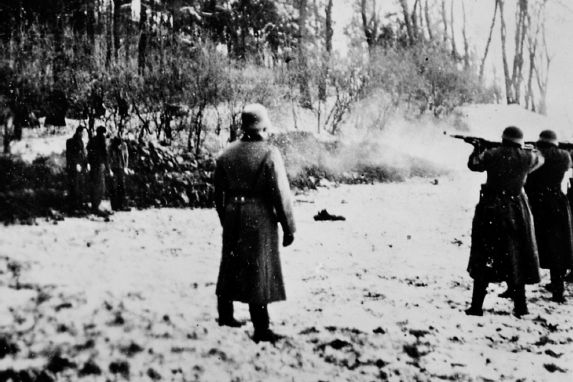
<point>323,215</point>
<point>503,242</point>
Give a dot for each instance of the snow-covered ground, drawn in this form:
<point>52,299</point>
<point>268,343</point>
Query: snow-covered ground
<point>379,296</point>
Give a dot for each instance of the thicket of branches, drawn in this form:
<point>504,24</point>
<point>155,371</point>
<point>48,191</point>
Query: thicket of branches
<point>160,68</point>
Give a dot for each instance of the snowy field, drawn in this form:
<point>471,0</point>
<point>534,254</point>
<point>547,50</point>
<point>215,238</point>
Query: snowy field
<point>379,296</point>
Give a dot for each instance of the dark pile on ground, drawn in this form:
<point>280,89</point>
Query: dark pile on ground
<point>159,178</point>
<point>164,179</point>
<point>31,190</point>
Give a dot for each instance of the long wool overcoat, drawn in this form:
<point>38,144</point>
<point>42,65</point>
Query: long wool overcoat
<point>504,247</point>
<point>98,160</point>
<point>76,155</point>
<point>252,197</point>
<point>551,210</point>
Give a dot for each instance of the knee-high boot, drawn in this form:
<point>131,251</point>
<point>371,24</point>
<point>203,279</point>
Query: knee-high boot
<point>226,313</point>
<point>557,284</point>
<point>478,296</point>
<point>519,301</point>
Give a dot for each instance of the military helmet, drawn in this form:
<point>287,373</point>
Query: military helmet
<point>255,118</point>
<point>513,134</point>
<point>548,136</point>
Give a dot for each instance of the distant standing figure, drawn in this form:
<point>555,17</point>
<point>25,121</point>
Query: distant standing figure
<point>76,169</point>
<point>98,160</point>
<point>252,194</point>
<point>119,162</point>
<point>503,238</point>
<point>551,212</point>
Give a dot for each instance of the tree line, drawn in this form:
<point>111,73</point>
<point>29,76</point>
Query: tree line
<point>168,66</point>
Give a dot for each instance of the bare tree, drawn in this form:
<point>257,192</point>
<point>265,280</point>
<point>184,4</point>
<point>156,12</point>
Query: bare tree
<point>520,33</point>
<point>487,44</point>
<point>428,21</point>
<point>328,33</point>
<point>465,36</point>
<point>414,18</point>
<point>116,24</point>
<point>445,21</point>
<point>454,48</point>
<point>142,44</point>
<point>532,44</point>
<point>305,99</point>
<point>509,95</point>
<point>407,21</point>
<point>370,24</point>
<point>542,68</point>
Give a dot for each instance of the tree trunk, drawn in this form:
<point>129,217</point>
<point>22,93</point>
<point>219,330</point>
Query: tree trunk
<point>520,32</point>
<point>509,96</point>
<point>305,100</point>
<point>420,16</point>
<point>465,36</point>
<point>486,50</point>
<point>428,21</point>
<point>109,35</point>
<point>414,18</point>
<point>328,49</point>
<point>370,27</point>
<point>407,21</point>
<point>532,43</point>
<point>452,30</point>
<point>142,44</point>
<point>90,27</point>
<point>58,33</point>
<point>445,21</point>
<point>116,24</point>
<point>542,73</point>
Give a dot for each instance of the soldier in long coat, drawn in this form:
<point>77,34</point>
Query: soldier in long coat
<point>76,168</point>
<point>252,195</point>
<point>503,240</point>
<point>98,160</point>
<point>551,212</point>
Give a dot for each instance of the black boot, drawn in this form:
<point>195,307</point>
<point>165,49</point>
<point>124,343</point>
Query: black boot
<point>260,319</point>
<point>519,301</point>
<point>225,308</point>
<point>557,286</point>
<point>478,295</point>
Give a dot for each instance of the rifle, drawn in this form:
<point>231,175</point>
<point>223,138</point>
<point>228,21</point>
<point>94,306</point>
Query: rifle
<point>477,141</point>
<point>566,146</point>
<point>484,144</point>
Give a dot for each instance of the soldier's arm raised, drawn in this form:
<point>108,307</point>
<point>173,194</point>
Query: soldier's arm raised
<point>537,160</point>
<point>478,159</point>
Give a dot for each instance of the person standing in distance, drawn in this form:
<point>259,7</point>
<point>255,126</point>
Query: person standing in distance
<point>551,212</point>
<point>503,238</point>
<point>252,195</point>
<point>98,160</point>
<point>76,168</point>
